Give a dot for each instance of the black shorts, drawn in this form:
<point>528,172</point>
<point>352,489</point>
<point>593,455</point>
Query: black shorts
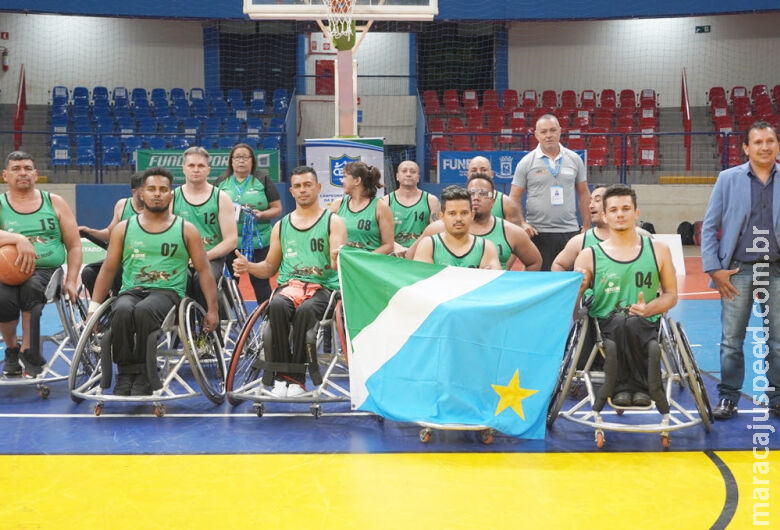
<point>16,298</point>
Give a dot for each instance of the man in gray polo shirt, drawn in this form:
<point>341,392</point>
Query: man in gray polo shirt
<point>553,175</point>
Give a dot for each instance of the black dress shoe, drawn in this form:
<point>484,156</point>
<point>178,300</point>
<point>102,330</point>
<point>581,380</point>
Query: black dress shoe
<point>622,399</point>
<point>725,409</point>
<point>640,399</point>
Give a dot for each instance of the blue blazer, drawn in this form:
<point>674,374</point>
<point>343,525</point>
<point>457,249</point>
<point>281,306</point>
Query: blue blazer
<point>729,211</point>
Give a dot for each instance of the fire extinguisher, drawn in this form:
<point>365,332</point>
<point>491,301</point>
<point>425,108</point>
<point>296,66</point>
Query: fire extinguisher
<point>5,59</point>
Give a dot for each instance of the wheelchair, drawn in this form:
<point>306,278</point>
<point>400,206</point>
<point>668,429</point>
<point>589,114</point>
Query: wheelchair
<point>249,374</point>
<point>232,311</point>
<point>199,363</point>
<point>677,371</point>
<point>72,315</point>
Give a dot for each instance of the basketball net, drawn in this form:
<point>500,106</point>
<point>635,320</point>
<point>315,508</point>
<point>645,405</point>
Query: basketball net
<point>339,17</point>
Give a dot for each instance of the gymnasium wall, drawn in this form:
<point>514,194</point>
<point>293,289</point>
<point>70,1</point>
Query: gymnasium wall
<point>99,51</point>
<point>646,53</point>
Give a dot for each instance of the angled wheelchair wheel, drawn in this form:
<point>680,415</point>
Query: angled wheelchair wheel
<point>85,368</point>
<point>668,343</point>
<point>243,367</point>
<point>236,301</point>
<point>571,355</point>
<point>339,333</point>
<point>692,375</point>
<point>73,315</point>
<point>203,351</point>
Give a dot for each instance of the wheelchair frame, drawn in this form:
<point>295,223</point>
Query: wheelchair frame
<point>244,375</point>
<point>72,315</point>
<point>203,353</point>
<point>678,365</point>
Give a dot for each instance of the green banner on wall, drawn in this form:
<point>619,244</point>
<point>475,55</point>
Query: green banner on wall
<point>267,162</point>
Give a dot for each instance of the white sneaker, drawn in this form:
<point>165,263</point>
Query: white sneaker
<point>279,389</point>
<point>294,390</point>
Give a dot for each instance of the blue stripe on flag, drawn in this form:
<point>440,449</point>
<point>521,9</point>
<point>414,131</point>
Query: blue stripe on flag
<point>446,370</point>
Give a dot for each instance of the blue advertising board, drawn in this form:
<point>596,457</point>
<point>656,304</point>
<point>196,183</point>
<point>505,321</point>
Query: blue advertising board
<point>453,165</point>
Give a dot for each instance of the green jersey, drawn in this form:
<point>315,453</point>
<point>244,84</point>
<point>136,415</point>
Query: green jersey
<point>444,256</point>
<point>617,284</point>
<point>362,226</point>
<point>128,211</point>
<point>498,206</point>
<point>204,216</point>
<point>590,239</point>
<point>410,221</point>
<point>155,260</point>
<point>306,253</point>
<point>498,236</point>
<point>251,193</point>
<point>41,227</point>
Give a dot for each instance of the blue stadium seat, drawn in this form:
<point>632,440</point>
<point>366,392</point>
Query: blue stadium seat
<point>191,128</point>
<point>280,106</point>
<point>60,110</point>
<point>99,93</point>
<point>200,109</point>
<point>276,125</point>
<point>215,94</point>
<point>159,93</point>
<point>180,142</point>
<point>272,142</point>
<point>147,127</point>
<point>60,124</point>
<point>111,151</point>
<point>122,109</point>
<point>196,94</point>
<point>139,94</point>
<point>161,111</point>
<point>236,99</point>
<point>82,124</point>
<point>211,129</point>
<point>101,107</point>
<point>227,142</point>
<point>105,125</point>
<point>80,109</point>
<point>181,109</point>
<point>169,125</point>
<point>125,125</point>
<point>257,103</point>
<point>59,95</point>
<point>129,146</point>
<point>178,93</point>
<point>119,92</point>
<point>85,150</point>
<point>220,108</point>
<point>60,155</point>
<point>60,140</point>
<point>141,109</point>
<point>81,95</point>
<point>254,126</point>
<point>157,142</point>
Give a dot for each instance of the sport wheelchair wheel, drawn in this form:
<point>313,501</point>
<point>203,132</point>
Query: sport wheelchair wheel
<point>692,375</point>
<point>571,355</point>
<point>243,368</point>
<point>85,368</point>
<point>338,322</point>
<point>203,351</point>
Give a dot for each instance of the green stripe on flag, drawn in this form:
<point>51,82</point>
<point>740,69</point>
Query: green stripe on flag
<point>358,271</point>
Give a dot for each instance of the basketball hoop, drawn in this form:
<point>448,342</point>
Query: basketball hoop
<point>340,18</point>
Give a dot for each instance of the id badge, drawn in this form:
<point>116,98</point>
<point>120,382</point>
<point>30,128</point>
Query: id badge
<point>237,210</point>
<point>556,195</point>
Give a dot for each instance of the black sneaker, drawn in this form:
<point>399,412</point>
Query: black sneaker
<point>11,366</point>
<point>141,386</point>
<point>640,399</point>
<point>124,382</point>
<point>33,363</point>
<point>622,399</point>
<point>725,409</point>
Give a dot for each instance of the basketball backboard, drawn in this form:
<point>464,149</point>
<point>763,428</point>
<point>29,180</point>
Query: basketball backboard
<point>411,10</point>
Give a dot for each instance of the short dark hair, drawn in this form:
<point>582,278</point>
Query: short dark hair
<point>156,172</point>
<point>482,176</point>
<point>454,193</point>
<point>136,180</point>
<point>302,170</point>
<point>599,185</point>
<point>15,156</point>
<point>760,124</point>
<point>618,190</point>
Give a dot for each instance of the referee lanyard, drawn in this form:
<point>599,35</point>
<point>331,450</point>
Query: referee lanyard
<point>554,172</point>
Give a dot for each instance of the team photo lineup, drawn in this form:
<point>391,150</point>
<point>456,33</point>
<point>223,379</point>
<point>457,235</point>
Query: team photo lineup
<point>376,252</point>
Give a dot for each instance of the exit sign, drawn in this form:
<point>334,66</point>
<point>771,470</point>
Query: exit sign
<point>702,29</point>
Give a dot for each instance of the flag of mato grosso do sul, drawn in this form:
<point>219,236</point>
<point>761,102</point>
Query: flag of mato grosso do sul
<point>454,346</point>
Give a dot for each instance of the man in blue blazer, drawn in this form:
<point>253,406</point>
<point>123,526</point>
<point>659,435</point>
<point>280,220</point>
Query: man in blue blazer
<point>744,265</point>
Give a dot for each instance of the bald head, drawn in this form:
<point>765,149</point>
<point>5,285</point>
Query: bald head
<point>479,164</point>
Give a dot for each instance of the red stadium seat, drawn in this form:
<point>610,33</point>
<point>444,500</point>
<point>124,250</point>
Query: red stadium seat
<point>529,100</point>
<point>455,124</point>
<point>569,100</point>
<point>484,142</point>
<point>495,121</point>
<point>602,121</point>
<point>564,117</point>
<point>509,99</point>
<point>738,92</point>
<point>648,157</point>
<point>776,95</point>
<point>506,139</point>
<point>625,121</point>
<point>627,98</point>
<point>608,99</point>
<point>597,142</point>
<point>757,90</point>
<point>575,142</point>
<point>617,151</point>
<point>451,102</point>
<point>597,157</point>
<point>470,100</point>
<point>431,102</point>
<point>648,123</point>
<point>549,100</point>
<point>582,118</point>
<point>588,99</point>
<point>436,125</point>
<point>490,99</point>
<point>438,143</point>
<point>461,143</point>
<point>475,118</point>
<point>647,98</point>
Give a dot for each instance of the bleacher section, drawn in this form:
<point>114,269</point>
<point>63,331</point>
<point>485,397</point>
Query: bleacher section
<point>111,125</point>
<point>589,121</point>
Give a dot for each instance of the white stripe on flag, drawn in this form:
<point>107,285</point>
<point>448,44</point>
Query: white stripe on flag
<point>379,341</point>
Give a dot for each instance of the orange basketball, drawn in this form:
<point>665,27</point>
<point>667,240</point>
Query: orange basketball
<point>10,273</point>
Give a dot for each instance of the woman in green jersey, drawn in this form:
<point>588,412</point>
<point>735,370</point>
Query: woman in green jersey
<point>248,191</point>
<point>369,221</point>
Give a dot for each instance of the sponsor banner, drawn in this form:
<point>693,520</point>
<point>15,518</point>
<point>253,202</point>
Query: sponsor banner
<point>328,156</point>
<point>267,162</point>
<point>453,165</point>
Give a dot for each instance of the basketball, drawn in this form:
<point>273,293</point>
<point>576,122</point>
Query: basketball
<point>10,273</point>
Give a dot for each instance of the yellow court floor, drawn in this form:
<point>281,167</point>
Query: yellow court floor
<point>682,490</point>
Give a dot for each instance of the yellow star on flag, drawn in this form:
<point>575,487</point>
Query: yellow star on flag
<point>512,395</point>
